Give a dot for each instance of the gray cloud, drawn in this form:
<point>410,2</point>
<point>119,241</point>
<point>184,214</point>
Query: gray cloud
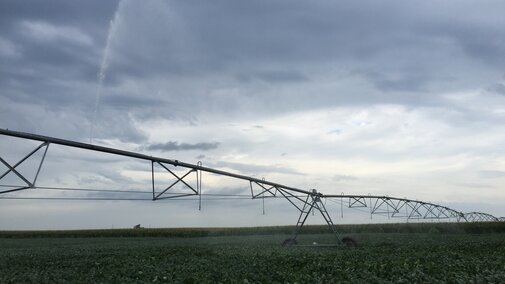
<point>335,132</point>
<point>400,54</point>
<point>254,169</point>
<point>132,102</point>
<point>200,49</point>
<point>272,77</point>
<point>339,177</point>
<point>411,80</point>
<point>498,88</point>
<point>491,174</point>
<point>89,12</point>
<point>473,185</point>
<point>176,146</point>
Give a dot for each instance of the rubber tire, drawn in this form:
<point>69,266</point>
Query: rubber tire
<point>289,242</point>
<point>349,242</point>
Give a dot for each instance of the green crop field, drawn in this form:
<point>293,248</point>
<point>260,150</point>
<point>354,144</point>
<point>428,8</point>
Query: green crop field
<point>430,253</point>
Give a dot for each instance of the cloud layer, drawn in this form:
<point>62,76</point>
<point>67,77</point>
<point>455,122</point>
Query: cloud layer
<point>176,146</point>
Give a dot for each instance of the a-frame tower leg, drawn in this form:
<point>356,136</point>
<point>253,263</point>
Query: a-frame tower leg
<point>313,202</point>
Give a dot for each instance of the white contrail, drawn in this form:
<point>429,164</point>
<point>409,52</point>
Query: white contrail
<point>104,65</point>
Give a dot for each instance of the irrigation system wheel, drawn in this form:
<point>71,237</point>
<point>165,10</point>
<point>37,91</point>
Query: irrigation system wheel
<point>349,242</point>
<point>289,242</point>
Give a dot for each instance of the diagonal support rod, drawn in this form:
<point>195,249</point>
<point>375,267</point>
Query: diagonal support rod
<point>178,179</point>
<point>263,191</point>
<point>12,168</point>
<point>313,202</point>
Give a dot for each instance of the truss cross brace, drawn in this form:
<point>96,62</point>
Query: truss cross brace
<point>197,191</point>
<point>12,168</point>
<point>271,190</point>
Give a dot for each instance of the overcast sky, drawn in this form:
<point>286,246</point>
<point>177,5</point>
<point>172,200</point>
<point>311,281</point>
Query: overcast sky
<point>393,98</point>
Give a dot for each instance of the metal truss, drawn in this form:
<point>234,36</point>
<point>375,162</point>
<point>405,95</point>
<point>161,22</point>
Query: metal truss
<point>305,201</point>
<point>193,190</point>
<point>393,207</point>
<point>482,217</point>
<point>21,176</point>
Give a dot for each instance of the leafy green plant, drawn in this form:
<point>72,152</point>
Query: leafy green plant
<point>245,256</point>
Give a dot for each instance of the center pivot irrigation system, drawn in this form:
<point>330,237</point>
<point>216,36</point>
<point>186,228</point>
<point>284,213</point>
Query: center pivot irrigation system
<point>305,201</point>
